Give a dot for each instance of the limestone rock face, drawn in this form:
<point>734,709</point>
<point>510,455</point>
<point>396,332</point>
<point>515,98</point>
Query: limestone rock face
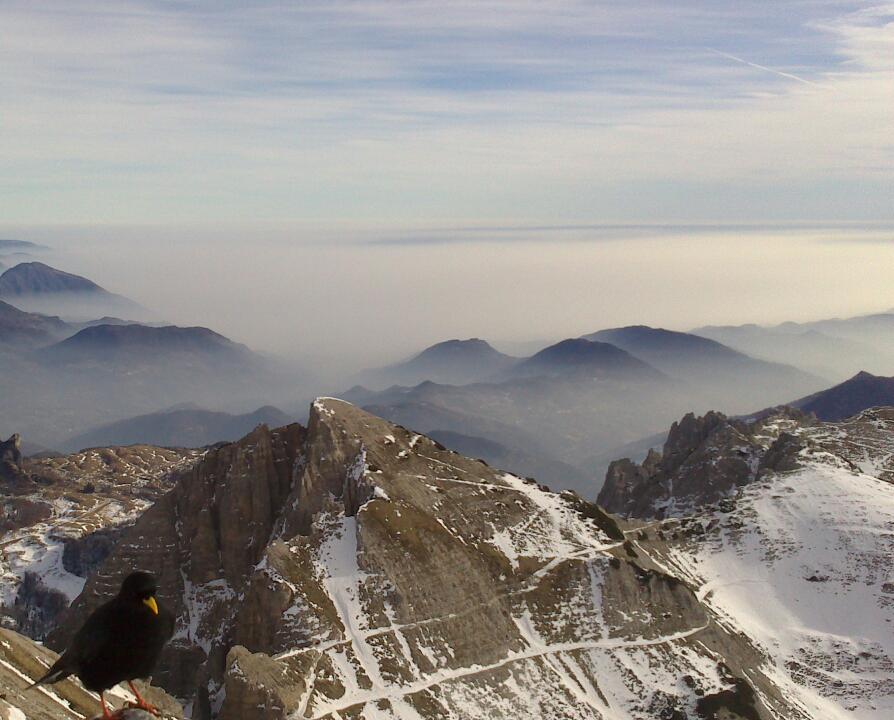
<point>257,685</point>
<point>704,460</point>
<point>202,541</point>
<point>63,516</point>
<point>359,569</point>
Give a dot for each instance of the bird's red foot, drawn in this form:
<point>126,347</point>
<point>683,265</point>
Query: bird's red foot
<point>141,703</point>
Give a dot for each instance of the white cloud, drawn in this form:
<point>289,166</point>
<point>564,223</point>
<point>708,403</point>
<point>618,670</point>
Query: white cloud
<point>413,110</point>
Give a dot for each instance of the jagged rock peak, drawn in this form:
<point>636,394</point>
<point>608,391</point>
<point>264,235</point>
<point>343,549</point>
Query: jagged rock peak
<point>704,460</point>
<point>11,458</point>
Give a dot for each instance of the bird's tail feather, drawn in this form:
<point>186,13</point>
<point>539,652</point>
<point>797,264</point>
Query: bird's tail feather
<point>55,674</point>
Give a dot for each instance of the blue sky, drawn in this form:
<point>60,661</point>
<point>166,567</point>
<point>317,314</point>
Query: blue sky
<point>410,113</point>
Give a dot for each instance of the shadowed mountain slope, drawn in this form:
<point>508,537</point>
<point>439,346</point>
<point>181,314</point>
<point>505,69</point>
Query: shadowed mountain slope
<point>191,428</point>
<point>861,392</point>
<point>584,357</point>
<point>23,330</point>
<point>35,286</point>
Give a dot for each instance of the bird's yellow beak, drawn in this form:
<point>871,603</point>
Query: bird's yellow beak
<point>150,603</point>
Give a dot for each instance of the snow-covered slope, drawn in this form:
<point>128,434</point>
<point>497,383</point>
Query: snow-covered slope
<point>801,563</point>
<point>60,519</point>
<point>358,569</point>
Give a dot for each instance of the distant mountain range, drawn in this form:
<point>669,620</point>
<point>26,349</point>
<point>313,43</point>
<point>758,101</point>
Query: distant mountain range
<point>37,287</point>
<point>585,358</point>
<point>576,402</point>
<point>7,245</point>
<point>835,349</point>
<point>54,392</point>
<point>732,379</point>
<point>178,427</point>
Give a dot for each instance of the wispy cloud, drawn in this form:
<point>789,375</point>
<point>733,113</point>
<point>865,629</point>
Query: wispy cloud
<point>780,73</point>
<point>408,111</point>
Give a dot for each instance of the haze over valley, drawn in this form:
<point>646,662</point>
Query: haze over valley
<point>493,360</point>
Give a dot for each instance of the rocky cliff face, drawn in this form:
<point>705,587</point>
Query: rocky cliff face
<point>704,460</point>
<point>61,517</point>
<point>11,459</point>
<point>358,569</point>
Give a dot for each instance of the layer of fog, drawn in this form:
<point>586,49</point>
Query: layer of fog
<point>341,299</point>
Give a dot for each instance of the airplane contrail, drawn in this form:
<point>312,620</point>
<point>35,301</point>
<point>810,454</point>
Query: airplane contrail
<point>790,76</point>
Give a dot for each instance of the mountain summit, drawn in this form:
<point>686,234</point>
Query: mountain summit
<point>36,278</point>
<point>862,391</point>
<point>355,568</point>
<point>734,380</point>
<point>452,362</point>
<point>37,287</point>
<point>585,357</point>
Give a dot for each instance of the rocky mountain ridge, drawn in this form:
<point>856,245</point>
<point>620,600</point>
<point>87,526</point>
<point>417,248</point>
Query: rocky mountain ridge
<point>704,460</point>
<point>798,560</point>
<point>358,569</point>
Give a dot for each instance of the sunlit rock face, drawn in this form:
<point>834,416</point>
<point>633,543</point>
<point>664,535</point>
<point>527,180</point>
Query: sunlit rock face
<point>358,569</point>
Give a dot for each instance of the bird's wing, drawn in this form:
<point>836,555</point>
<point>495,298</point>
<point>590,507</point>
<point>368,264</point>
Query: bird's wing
<point>94,636</point>
<point>167,620</point>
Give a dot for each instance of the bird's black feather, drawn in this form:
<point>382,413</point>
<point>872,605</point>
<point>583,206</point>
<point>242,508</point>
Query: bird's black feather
<point>121,640</point>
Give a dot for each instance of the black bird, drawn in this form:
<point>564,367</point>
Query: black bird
<point>121,640</point>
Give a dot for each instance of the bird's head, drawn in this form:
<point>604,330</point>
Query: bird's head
<point>140,587</point>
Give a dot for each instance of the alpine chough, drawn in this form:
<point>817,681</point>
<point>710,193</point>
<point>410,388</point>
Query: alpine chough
<point>120,641</point>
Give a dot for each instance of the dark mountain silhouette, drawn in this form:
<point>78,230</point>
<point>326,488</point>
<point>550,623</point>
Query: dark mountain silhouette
<point>19,246</point>
<point>453,362</point>
<point>20,329</point>
<point>584,357</point>
<point>733,378</point>
<point>108,372</point>
<point>143,344</point>
<point>861,392</point>
<point>179,427</point>
<point>36,277</point>
<point>38,287</point>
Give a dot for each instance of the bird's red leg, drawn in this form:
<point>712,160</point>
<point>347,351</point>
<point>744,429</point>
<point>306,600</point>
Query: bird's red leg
<point>105,711</point>
<point>141,703</point>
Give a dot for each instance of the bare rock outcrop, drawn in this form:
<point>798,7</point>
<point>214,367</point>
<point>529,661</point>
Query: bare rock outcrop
<point>704,460</point>
<point>11,469</point>
<point>359,569</point>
